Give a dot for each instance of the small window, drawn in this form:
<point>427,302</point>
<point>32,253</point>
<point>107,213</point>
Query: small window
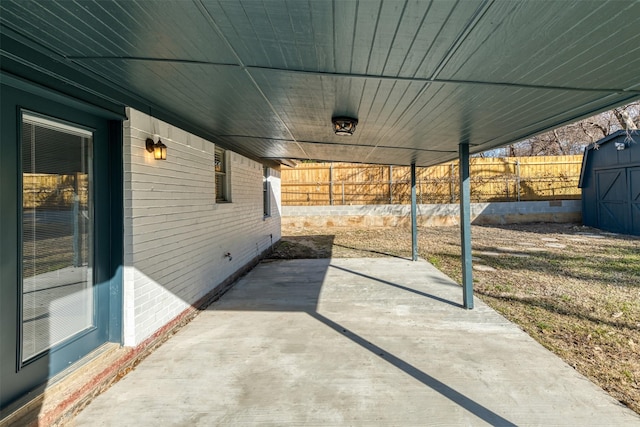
<point>266,190</point>
<point>222,184</point>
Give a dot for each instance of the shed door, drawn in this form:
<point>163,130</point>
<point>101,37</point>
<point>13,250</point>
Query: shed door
<point>612,200</point>
<point>634,199</point>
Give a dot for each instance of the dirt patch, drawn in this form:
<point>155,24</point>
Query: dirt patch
<point>295,247</point>
<point>574,289</point>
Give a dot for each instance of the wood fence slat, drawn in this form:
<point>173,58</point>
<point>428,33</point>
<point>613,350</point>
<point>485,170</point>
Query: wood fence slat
<point>492,179</point>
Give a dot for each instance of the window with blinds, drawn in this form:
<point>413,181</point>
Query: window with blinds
<point>222,184</point>
<point>57,233</point>
<point>266,192</point>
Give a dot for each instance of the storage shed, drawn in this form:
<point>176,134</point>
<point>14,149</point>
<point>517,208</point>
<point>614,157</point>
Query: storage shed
<point>610,182</point>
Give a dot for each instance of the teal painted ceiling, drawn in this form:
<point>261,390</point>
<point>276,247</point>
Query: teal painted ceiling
<point>264,78</point>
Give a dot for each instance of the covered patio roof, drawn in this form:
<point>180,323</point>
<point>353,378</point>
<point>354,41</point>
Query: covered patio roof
<point>265,78</point>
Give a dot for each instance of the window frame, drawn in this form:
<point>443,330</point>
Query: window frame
<point>25,375</point>
<point>266,191</point>
<point>222,174</point>
<point>28,117</point>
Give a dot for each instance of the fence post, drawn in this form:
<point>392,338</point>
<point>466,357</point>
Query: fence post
<point>390,184</point>
<point>452,184</point>
<point>518,180</point>
<point>330,184</point>
<point>506,185</point>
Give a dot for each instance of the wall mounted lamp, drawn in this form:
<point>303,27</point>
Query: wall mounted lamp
<point>344,125</point>
<point>158,149</point>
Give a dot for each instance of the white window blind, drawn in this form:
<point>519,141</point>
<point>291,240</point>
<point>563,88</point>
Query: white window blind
<point>57,233</point>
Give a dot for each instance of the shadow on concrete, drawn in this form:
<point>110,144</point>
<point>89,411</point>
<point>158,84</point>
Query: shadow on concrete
<point>298,286</point>
<point>404,288</point>
<point>316,246</point>
<point>371,251</point>
<point>458,398</point>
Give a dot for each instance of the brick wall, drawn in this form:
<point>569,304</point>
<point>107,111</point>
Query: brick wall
<point>175,234</point>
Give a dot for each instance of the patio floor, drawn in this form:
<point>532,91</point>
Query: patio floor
<point>375,341</point>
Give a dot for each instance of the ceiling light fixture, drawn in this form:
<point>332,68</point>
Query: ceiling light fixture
<point>158,149</point>
<point>344,125</point>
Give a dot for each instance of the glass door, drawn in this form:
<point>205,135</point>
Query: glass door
<point>60,236</point>
<point>57,234</point>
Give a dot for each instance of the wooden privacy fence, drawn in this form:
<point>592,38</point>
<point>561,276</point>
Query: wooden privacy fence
<point>492,179</point>
<point>53,191</point>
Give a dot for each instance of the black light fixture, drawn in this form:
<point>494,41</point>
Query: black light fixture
<point>158,149</point>
<point>344,125</point>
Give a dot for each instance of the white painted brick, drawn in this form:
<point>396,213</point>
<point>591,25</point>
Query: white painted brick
<point>175,234</point>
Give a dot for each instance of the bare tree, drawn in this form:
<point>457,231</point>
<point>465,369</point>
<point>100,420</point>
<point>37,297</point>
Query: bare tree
<point>624,117</point>
<point>572,139</point>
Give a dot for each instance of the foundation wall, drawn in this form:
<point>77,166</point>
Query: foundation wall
<point>368,216</point>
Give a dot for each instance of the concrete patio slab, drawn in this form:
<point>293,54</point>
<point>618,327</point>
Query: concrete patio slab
<point>376,341</point>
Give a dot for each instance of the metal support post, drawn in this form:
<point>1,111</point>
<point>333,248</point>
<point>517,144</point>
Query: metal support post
<point>465,227</point>
<point>414,217</point>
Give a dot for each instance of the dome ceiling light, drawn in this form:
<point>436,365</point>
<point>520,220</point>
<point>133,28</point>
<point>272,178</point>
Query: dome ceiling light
<point>344,125</point>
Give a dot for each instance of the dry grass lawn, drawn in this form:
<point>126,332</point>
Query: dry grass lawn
<point>574,289</point>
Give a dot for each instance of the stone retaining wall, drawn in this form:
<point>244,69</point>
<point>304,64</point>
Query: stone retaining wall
<point>369,216</point>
